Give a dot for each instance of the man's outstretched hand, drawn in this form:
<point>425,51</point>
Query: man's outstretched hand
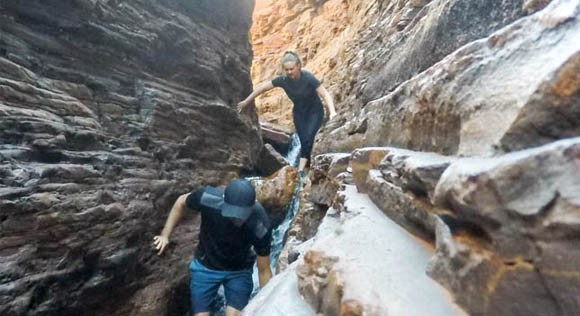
<point>160,242</point>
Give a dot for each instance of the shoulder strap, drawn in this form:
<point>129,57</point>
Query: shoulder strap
<point>260,222</point>
<point>212,197</point>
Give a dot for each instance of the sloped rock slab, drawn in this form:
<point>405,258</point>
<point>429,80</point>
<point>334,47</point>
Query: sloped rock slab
<point>525,207</point>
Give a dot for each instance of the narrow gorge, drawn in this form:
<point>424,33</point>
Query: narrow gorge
<point>448,183</point>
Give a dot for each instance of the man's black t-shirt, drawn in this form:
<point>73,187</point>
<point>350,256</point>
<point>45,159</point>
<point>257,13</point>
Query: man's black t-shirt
<point>223,245</point>
<point>302,91</point>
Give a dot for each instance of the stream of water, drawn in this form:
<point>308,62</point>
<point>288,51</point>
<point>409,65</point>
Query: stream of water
<point>279,233</point>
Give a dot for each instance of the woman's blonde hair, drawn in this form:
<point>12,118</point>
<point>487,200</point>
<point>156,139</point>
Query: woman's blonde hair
<point>290,56</point>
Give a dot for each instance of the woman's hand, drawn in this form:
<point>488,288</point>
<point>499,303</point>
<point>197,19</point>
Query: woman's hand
<point>242,105</point>
<point>160,243</point>
<point>331,115</point>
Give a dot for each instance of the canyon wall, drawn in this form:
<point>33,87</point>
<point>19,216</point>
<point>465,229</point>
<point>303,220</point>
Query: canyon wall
<point>460,121</point>
<point>108,111</point>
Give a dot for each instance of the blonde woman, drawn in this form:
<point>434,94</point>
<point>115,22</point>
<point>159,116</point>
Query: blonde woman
<point>304,90</point>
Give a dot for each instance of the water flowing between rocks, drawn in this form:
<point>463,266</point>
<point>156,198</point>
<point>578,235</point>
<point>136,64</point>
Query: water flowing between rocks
<point>279,233</point>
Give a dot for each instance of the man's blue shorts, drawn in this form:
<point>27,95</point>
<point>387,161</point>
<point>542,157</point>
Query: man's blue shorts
<point>204,285</point>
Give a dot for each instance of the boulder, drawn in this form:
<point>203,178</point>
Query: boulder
<point>323,177</point>
<point>270,160</point>
<point>276,191</point>
<point>524,208</point>
<point>278,136</point>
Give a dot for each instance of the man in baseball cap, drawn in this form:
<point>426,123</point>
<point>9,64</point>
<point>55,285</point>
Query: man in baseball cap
<point>234,229</point>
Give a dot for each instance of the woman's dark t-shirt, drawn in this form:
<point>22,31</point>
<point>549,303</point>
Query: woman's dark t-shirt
<point>302,91</point>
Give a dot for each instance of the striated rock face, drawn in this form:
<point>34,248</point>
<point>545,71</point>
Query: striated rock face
<point>108,111</point>
<point>527,207</point>
<point>401,184</point>
<point>504,231</point>
<point>460,123</point>
<point>364,49</point>
<point>510,80</point>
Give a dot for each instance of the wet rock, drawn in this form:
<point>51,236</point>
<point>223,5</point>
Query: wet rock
<point>270,160</point>
<point>279,137</point>
<point>276,191</point>
<point>303,227</point>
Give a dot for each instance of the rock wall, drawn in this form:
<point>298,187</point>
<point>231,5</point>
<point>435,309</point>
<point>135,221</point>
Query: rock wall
<point>462,128</point>
<point>108,111</point>
<point>364,52</point>
<point>364,49</point>
<point>451,107</point>
<point>503,229</point>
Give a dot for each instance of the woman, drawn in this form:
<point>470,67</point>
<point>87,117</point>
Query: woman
<point>304,90</point>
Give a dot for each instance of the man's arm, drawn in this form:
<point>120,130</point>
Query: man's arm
<point>264,270</point>
<point>162,240</point>
<point>328,100</point>
<point>263,87</point>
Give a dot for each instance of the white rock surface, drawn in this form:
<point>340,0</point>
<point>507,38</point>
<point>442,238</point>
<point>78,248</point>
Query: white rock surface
<point>380,265</point>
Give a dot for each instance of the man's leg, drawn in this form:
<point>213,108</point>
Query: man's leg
<point>203,287</point>
<point>238,286</point>
<point>230,311</point>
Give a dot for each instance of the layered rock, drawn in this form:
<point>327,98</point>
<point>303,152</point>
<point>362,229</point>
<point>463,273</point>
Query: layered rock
<point>364,49</point>
<point>358,263</point>
<point>279,137</point>
<point>502,225</point>
<point>511,80</point>
<point>526,207</point>
<point>504,231</point>
<point>401,186</point>
<point>108,111</point>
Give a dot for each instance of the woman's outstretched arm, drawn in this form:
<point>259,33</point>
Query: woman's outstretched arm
<point>328,100</point>
<point>261,88</point>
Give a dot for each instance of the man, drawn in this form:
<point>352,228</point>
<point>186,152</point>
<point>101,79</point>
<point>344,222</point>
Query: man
<point>232,221</point>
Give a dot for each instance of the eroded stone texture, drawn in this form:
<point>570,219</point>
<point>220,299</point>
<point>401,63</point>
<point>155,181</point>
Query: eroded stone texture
<point>364,49</point>
<point>402,184</point>
<point>537,124</point>
<point>276,191</point>
<point>450,107</point>
<point>525,204</point>
<point>418,172</point>
<point>323,177</point>
<point>109,110</point>
<point>320,283</point>
<point>363,160</point>
<point>270,160</point>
